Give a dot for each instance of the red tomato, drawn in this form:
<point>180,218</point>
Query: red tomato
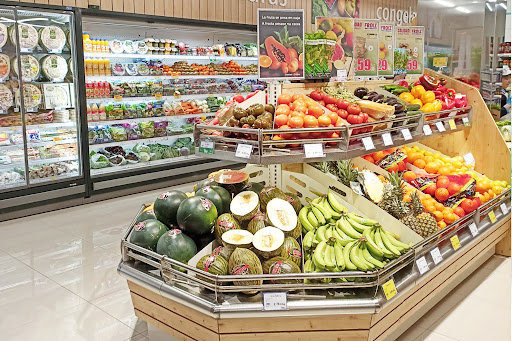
<point>343,113</point>
<point>354,109</point>
<point>316,95</point>
<point>322,103</point>
<point>239,98</point>
<point>331,107</point>
<point>342,104</point>
<point>365,117</point>
<point>329,99</point>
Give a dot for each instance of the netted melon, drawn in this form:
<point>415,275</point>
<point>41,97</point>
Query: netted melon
<point>268,242</point>
<point>269,193</point>
<point>258,222</point>
<point>225,222</point>
<point>294,200</point>
<point>280,265</point>
<point>280,214</point>
<point>292,251</point>
<point>245,262</point>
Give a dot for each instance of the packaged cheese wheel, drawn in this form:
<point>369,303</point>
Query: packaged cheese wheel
<point>6,97</point>
<point>31,96</point>
<point>28,36</point>
<point>129,46</point>
<point>52,38</point>
<point>54,67</point>
<point>116,46</point>
<point>4,34</point>
<point>55,96</point>
<point>29,66</point>
<point>5,66</point>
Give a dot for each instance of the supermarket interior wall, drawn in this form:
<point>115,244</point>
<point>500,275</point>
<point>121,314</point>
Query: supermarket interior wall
<point>230,11</point>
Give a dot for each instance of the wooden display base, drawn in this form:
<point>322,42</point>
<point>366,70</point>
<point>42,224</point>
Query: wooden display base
<point>186,323</point>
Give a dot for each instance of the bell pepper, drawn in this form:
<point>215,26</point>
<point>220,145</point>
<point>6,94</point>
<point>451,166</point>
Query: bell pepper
<point>443,81</point>
<point>429,83</point>
<point>450,92</point>
<point>460,101</point>
<point>403,83</point>
<point>450,102</point>
<point>412,85</point>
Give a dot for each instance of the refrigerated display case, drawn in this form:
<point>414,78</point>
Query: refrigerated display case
<point>40,149</point>
<point>147,84</point>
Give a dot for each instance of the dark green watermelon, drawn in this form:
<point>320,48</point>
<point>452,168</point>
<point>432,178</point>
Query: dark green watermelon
<point>166,206</point>
<point>218,195</point>
<point>196,215</point>
<point>176,245</point>
<point>149,214</point>
<point>204,183</point>
<point>203,240</point>
<point>255,187</point>
<point>147,233</point>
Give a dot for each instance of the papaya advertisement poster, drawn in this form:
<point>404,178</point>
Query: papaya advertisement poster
<point>281,44</point>
<point>366,47</point>
<point>341,30</point>
<point>335,8</point>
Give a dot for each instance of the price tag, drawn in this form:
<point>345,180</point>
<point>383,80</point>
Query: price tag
<point>389,289</point>
<point>174,77</point>
<point>118,98</point>
<point>274,301</point>
<point>452,124</point>
<point>55,51</point>
<point>207,146</point>
<point>504,209</point>
<point>386,138</point>
<point>455,242</point>
<point>406,134</point>
<point>368,143</point>
<point>440,127</point>
<point>25,50</point>
<point>440,61</point>
<point>243,150</point>
<point>465,120</point>
<point>341,75</point>
<point>427,130</point>
<point>422,265</point>
<point>473,229</point>
<point>436,256</point>
<point>469,159</point>
<point>158,96</point>
<point>492,216</point>
<point>314,150</point>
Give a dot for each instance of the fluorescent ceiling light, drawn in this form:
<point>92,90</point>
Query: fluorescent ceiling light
<point>503,5</point>
<point>463,10</point>
<point>445,3</point>
<point>489,7</point>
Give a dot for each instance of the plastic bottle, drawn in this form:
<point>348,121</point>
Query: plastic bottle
<point>87,42</point>
<point>108,70</point>
<point>105,46</point>
<point>102,114</point>
<point>101,88</point>
<point>89,113</point>
<point>107,89</point>
<point>88,89</point>
<point>95,67</point>
<point>88,67</point>
<point>101,67</point>
<point>95,113</point>
<point>96,90</point>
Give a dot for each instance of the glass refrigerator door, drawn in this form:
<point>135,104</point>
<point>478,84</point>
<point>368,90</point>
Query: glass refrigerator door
<point>46,49</point>
<point>12,141</point>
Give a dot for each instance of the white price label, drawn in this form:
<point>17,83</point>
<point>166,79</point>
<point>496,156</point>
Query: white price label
<point>465,120</point>
<point>406,134</point>
<point>504,209</point>
<point>243,150</point>
<point>386,138</point>
<point>422,265</point>
<point>341,75</point>
<point>427,130</point>
<point>440,127</point>
<point>473,229</point>
<point>436,255</point>
<point>275,301</point>
<point>469,159</point>
<point>314,150</point>
<point>368,143</point>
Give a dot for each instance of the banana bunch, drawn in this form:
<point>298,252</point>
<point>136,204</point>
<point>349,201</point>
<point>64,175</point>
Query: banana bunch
<point>323,210</point>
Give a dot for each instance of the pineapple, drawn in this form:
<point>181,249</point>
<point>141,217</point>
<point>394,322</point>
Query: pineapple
<point>427,224</point>
<point>346,173</point>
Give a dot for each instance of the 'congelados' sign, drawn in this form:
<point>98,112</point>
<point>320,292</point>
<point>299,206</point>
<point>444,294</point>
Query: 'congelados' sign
<point>281,3</point>
<point>396,15</point>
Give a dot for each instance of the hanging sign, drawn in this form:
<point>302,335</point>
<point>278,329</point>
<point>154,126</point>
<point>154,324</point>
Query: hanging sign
<point>386,49</point>
<point>366,47</point>
<point>280,43</point>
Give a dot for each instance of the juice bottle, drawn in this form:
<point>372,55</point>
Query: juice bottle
<point>107,89</point>
<point>95,113</point>
<point>101,87</point>
<point>105,46</point>
<point>95,67</point>
<point>102,114</point>
<point>101,67</point>
<point>96,90</point>
<point>87,42</point>
<point>108,70</point>
<point>89,113</point>
<point>88,87</point>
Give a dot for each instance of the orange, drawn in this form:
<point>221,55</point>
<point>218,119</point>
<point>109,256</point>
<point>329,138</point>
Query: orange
<point>414,156</point>
<point>297,113</point>
<point>369,158</point>
<point>378,155</point>
<point>453,188</point>
<point>296,122</point>
<point>431,167</point>
<point>459,211</point>
<point>417,91</point>
<point>447,210</point>
<point>265,61</point>
<point>310,121</point>
<point>429,159</point>
<point>284,99</point>
<point>480,187</point>
<point>430,189</point>
<point>409,176</point>
<point>438,215</point>
<point>430,208</point>
<point>333,116</point>
<point>297,96</point>
<point>300,107</point>
<point>442,194</point>
<point>324,121</point>
<point>283,109</point>
<point>420,163</point>
<point>439,206</point>
<point>441,224</point>
<point>428,97</point>
<point>451,218</point>
<point>444,170</point>
<point>281,120</point>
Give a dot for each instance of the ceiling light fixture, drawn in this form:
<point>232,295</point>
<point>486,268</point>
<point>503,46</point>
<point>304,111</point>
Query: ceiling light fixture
<point>489,7</point>
<point>445,3</point>
<point>463,10</point>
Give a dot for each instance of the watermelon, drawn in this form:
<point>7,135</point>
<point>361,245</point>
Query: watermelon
<point>147,233</point>
<point>220,197</point>
<point>196,215</point>
<point>204,183</point>
<point>203,240</point>
<point>233,181</point>
<point>149,214</point>
<point>255,187</point>
<point>166,206</point>
<point>176,245</point>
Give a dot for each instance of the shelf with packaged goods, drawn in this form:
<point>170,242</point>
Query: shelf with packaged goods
<point>501,55</point>
<point>11,166</point>
<point>129,142</point>
<point>139,165</point>
<point>52,160</point>
<point>34,144</point>
<point>66,176</point>
<point>145,119</point>
<point>10,129</point>
<point>145,78</point>
<point>52,125</point>
<point>167,98</point>
<point>170,56</point>
<point>12,185</point>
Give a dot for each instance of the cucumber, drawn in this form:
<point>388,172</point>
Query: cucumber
<point>414,112</point>
<point>412,107</point>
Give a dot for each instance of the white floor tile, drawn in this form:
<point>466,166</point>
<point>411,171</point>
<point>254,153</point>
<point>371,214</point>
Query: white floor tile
<point>411,333</point>
<point>429,335</point>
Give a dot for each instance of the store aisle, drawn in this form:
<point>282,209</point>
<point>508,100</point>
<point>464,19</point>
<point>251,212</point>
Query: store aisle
<point>58,281</point>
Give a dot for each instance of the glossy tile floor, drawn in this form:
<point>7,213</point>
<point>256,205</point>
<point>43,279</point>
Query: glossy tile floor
<point>58,281</point>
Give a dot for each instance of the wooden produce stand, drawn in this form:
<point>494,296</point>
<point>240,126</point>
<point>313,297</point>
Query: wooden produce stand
<point>188,314</point>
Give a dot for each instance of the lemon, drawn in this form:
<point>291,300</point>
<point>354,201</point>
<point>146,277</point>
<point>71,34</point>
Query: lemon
<point>446,159</point>
<point>437,156</point>
<point>503,183</point>
<point>428,153</point>
<point>416,148</point>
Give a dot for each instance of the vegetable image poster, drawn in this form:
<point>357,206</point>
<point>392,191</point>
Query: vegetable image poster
<point>281,44</point>
<point>366,47</point>
<point>342,31</point>
<point>410,42</point>
<point>386,49</point>
<point>335,8</point>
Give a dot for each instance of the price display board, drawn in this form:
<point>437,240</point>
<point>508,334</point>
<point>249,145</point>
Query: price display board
<point>386,49</point>
<point>366,47</point>
<point>410,40</point>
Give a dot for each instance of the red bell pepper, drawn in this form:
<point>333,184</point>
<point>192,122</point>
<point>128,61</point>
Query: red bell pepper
<point>429,83</point>
<point>450,103</point>
<point>403,83</point>
<point>412,85</point>
<point>460,101</point>
<point>450,92</point>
